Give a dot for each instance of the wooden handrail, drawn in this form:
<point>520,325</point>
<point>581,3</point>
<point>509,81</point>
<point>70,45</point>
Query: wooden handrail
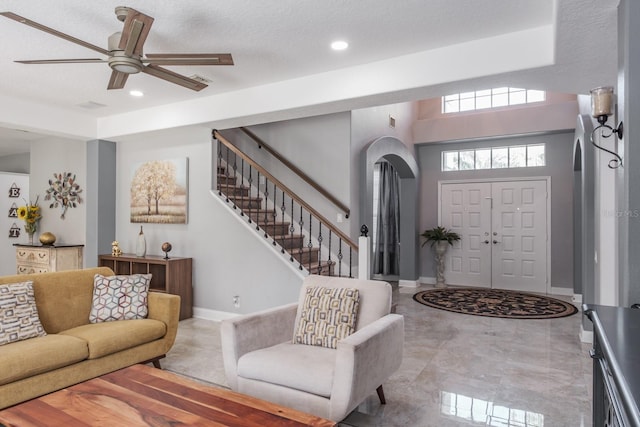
<point>297,171</point>
<point>217,135</point>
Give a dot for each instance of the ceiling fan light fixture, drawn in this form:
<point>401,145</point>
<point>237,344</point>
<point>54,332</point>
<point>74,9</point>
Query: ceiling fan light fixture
<point>125,64</point>
<point>136,93</point>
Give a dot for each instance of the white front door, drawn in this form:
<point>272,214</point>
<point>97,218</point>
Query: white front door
<point>503,229</point>
<point>466,209</point>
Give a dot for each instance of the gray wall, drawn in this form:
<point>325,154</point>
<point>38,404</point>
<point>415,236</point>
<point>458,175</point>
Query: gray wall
<point>319,146</point>
<point>628,190</point>
<point>16,163</point>
<point>559,159</point>
<point>101,200</point>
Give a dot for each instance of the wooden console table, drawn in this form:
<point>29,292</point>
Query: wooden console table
<point>171,275</point>
<point>43,259</point>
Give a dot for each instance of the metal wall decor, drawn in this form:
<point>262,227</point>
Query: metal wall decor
<point>14,231</point>
<point>64,192</point>
<point>13,211</point>
<point>14,191</point>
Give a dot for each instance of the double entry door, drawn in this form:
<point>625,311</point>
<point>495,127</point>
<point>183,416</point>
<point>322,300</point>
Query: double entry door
<point>503,230</point>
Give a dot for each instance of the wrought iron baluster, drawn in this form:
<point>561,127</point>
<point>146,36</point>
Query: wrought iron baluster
<point>340,258</point>
<point>329,263</point>
<point>226,176</point>
<point>219,171</point>
<point>301,224</point>
<point>350,262</point>
<point>235,180</point>
<point>292,228</point>
<point>257,198</point>
<point>241,188</point>
<point>282,209</point>
<point>275,212</point>
<point>266,205</point>
<point>250,187</point>
<point>319,248</point>
<point>310,244</point>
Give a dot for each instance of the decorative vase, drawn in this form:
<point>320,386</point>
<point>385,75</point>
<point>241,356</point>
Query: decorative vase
<point>141,245</point>
<point>441,250</point>
<point>47,238</point>
<point>30,239</point>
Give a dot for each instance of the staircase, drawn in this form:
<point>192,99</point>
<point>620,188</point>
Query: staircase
<point>282,232</point>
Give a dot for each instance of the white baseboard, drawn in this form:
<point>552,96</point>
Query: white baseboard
<point>215,315</point>
<point>577,299</point>
<point>585,336</point>
<point>408,283</point>
<point>567,292</point>
<point>427,280</point>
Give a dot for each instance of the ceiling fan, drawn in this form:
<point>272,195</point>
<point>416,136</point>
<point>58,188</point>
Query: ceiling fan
<point>125,55</point>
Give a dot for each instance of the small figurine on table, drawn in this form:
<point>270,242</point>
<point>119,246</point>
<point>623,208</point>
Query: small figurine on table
<point>115,249</point>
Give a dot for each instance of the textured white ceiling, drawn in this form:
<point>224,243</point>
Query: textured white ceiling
<point>273,41</point>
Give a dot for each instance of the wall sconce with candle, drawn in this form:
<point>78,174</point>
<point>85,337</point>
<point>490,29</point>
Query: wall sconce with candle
<point>601,109</point>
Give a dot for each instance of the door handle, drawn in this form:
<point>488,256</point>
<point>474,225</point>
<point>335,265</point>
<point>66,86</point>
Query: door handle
<point>486,242</point>
<point>495,242</point>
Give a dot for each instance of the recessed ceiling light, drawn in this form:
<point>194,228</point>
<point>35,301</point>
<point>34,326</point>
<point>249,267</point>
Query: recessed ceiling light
<point>339,45</point>
<point>137,93</point>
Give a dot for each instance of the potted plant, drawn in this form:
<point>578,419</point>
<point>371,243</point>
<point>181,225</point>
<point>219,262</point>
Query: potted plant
<point>440,238</point>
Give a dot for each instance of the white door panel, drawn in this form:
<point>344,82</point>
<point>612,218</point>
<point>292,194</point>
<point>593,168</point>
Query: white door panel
<point>519,256</point>
<point>503,226</point>
<point>463,211</point>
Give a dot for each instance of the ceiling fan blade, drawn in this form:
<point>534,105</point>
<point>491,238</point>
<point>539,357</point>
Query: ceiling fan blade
<point>172,77</point>
<point>56,33</point>
<point>117,80</point>
<point>133,37</point>
<point>62,61</point>
<point>188,59</point>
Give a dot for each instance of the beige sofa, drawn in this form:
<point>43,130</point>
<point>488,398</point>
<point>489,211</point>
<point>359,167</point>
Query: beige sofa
<point>73,349</point>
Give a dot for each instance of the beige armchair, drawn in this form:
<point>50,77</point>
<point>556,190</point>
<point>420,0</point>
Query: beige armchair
<point>261,359</point>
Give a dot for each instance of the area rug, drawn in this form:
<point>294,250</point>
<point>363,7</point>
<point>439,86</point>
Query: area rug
<point>495,303</point>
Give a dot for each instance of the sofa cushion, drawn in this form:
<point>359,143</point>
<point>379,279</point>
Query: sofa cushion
<point>18,313</point>
<point>301,367</point>
<point>119,297</point>
<point>327,315</point>
<point>31,357</point>
<point>110,337</point>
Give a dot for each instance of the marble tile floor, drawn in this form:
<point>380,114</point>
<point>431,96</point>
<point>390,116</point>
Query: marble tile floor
<point>457,370</point>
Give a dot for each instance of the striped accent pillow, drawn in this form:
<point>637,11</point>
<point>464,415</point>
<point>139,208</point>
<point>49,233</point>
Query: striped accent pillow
<point>18,313</point>
<point>327,316</point>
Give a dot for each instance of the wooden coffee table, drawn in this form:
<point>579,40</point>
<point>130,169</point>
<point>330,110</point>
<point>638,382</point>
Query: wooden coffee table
<point>144,396</point>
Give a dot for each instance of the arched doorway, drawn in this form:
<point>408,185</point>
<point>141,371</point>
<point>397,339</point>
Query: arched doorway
<point>396,153</point>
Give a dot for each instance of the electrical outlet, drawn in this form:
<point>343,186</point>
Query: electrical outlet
<point>339,218</point>
<point>236,301</point>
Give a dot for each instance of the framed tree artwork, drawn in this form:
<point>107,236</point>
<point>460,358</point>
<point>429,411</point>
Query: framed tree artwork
<point>159,191</point>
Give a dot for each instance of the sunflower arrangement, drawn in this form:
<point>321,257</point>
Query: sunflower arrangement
<point>30,214</point>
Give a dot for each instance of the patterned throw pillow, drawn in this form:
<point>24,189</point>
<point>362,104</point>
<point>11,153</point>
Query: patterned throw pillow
<point>327,316</point>
<point>119,297</point>
<point>18,313</point>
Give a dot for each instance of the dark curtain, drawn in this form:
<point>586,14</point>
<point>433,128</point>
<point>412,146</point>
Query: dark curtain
<point>386,256</point>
